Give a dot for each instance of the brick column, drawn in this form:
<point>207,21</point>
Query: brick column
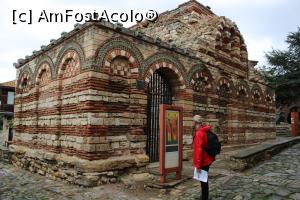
<point>138,110</point>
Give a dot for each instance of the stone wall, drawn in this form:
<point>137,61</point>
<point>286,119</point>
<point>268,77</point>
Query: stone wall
<point>84,96</point>
<point>73,169</point>
<point>283,130</point>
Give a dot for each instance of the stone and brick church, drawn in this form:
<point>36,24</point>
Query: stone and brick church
<point>86,106</point>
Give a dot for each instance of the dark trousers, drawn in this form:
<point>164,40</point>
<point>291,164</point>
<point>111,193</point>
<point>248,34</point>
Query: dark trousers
<point>204,186</point>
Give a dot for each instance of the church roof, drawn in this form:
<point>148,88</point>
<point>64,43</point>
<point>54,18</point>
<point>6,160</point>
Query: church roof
<point>193,25</point>
<point>188,29</point>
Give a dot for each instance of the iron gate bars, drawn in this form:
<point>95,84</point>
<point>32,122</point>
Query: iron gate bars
<point>159,92</point>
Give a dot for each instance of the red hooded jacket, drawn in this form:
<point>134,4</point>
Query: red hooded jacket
<point>201,158</point>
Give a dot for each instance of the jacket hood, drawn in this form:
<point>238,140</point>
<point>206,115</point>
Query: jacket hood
<point>205,128</point>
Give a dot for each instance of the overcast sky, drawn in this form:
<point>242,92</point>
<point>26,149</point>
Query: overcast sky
<point>263,23</point>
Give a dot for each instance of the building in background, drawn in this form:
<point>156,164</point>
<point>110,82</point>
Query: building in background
<point>7,96</point>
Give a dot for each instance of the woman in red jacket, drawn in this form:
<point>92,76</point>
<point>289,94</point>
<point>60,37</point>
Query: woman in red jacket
<point>202,160</point>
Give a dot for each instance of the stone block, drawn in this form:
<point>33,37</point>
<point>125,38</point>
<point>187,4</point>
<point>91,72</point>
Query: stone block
<point>93,140</point>
<point>88,147</point>
<point>87,181</point>
<point>114,163</point>
<point>102,147</point>
<point>56,143</point>
<point>115,145</point>
<point>141,160</point>
<point>80,140</point>
<point>137,138</point>
<point>187,154</point>
<point>124,144</point>
<point>140,145</point>
<point>116,138</point>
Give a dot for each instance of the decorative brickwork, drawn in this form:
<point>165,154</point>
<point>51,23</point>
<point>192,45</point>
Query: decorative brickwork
<point>242,90</point>
<point>25,81</point>
<point>166,59</point>
<point>45,60</point>
<point>69,65</point>
<point>159,61</point>
<point>269,96</point>
<point>256,94</point>
<point>225,87</point>
<point>119,47</point>
<point>70,50</point>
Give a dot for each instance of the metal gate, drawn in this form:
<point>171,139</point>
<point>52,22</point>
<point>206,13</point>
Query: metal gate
<point>159,92</point>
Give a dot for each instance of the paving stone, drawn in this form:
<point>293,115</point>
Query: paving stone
<point>272,182</point>
<point>283,192</point>
<point>275,197</point>
<point>271,177</point>
<point>238,197</point>
<point>295,196</point>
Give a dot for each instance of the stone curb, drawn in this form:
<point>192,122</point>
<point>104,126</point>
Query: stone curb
<point>250,157</point>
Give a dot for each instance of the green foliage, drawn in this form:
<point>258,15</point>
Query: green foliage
<point>283,74</point>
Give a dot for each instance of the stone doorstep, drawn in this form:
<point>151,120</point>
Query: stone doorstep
<point>249,157</point>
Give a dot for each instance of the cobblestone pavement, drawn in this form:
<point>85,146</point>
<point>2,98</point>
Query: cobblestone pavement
<point>275,179</point>
<point>278,178</point>
<point>19,184</point>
